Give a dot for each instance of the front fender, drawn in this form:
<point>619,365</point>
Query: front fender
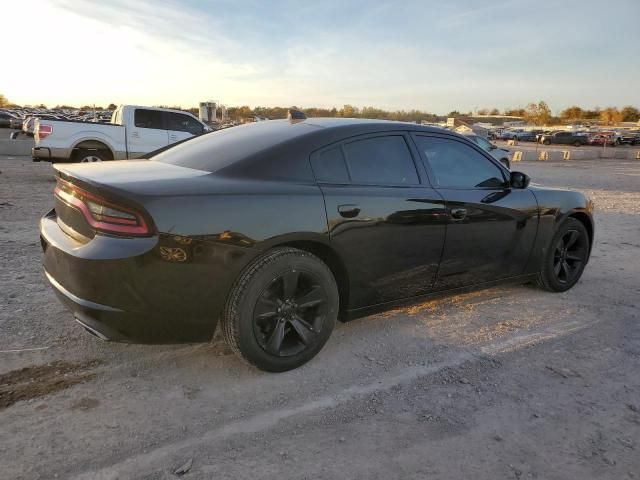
<point>555,206</point>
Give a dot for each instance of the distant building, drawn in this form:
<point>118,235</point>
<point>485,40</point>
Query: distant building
<point>208,111</point>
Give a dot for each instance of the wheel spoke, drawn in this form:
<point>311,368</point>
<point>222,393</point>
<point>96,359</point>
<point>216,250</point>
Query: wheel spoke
<point>303,329</point>
<point>312,298</point>
<point>566,269</point>
<point>290,284</point>
<point>265,308</point>
<point>573,237</point>
<point>275,340</point>
<point>574,257</point>
<point>556,268</point>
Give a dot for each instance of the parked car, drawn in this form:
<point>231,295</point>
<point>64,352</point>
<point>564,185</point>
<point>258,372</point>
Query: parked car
<point>629,138</point>
<point>528,136</point>
<point>133,132</point>
<point>500,154</point>
<point>280,228</point>
<point>564,138</point>
<point>602,139</point>
<point>509,134</point>
<point>7,120</point>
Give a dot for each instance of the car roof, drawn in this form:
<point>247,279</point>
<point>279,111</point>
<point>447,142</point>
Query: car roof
<point>275,147</point>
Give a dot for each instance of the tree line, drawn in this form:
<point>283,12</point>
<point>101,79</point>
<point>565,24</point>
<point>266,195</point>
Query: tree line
<point>536,113</point>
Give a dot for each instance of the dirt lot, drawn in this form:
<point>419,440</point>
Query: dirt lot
<point>510,382</point>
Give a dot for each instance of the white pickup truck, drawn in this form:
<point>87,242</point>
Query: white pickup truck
<point>133,132</point>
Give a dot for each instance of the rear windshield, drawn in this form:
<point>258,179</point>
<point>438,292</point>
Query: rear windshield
<point>214,151</point>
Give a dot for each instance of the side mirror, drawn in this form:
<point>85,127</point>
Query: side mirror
<point>519,180</point>
<point>493,147</point>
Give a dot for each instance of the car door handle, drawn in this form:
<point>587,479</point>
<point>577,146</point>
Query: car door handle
<point>348,211</point>
<point>458,213</point>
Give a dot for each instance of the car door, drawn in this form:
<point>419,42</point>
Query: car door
<point>181,126</point>
<point>148,132</point>
<point>491,227</point>
<point>387,227</point>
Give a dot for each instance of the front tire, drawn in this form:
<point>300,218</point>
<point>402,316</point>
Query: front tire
<point>282,310</point>
<point>565,258</point>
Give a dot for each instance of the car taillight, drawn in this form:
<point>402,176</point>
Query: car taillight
<point>101,214</point>
<point>43,131</point>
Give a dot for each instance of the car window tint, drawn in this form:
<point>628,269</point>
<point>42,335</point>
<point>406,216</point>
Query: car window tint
<point>183,123</point>
<point>148,119</point>
<point>381,160</point>
<point>455,164</point>
<point>329,166</point>
<point>484,144</point>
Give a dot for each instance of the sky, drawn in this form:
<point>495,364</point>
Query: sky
<point>436,56</point>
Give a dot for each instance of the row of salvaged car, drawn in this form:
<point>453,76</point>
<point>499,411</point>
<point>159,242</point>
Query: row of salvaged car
<point>24,119</point>
<point>577,138</point>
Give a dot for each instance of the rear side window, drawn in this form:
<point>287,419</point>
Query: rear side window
<point>380,161</point>
<point>329,166</point>
<point>457,165</point>
<point>183,123</point>
<point>148,119</point>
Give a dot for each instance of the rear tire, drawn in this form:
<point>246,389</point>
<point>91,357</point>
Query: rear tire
<point>90,156</point>
<point>282,310</point>
<point>577,144</point>
<point>565,258</point>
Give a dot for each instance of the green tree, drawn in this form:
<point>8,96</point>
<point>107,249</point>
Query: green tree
<point>112,106</point>
<point>538,113</point>
<point>494,111</point>
<point>3,101</point>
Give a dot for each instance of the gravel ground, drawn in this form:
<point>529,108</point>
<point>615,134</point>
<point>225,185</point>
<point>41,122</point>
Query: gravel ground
<point>509,382</point>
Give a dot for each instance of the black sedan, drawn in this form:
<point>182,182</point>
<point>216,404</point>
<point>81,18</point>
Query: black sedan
<point>277,229</point>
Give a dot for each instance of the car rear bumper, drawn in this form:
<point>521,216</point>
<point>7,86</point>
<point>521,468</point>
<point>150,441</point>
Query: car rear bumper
<point>122,290</point>
<point>49,154</point>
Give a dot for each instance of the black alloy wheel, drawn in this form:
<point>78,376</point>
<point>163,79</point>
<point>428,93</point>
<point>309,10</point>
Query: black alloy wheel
<point>282,309</point>
<point>290,313</point>
<point>566,258</point>
<point>569,256</point>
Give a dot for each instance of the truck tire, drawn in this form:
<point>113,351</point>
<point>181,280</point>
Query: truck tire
<point>90,156</point>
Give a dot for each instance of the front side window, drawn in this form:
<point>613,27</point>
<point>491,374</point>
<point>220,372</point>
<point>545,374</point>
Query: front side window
<point>381,161</point>
<point>457,165</point>
<point>183,123</point>
<point>148,119</point>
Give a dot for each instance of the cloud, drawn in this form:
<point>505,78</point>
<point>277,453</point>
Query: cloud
<point>393,54</point>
